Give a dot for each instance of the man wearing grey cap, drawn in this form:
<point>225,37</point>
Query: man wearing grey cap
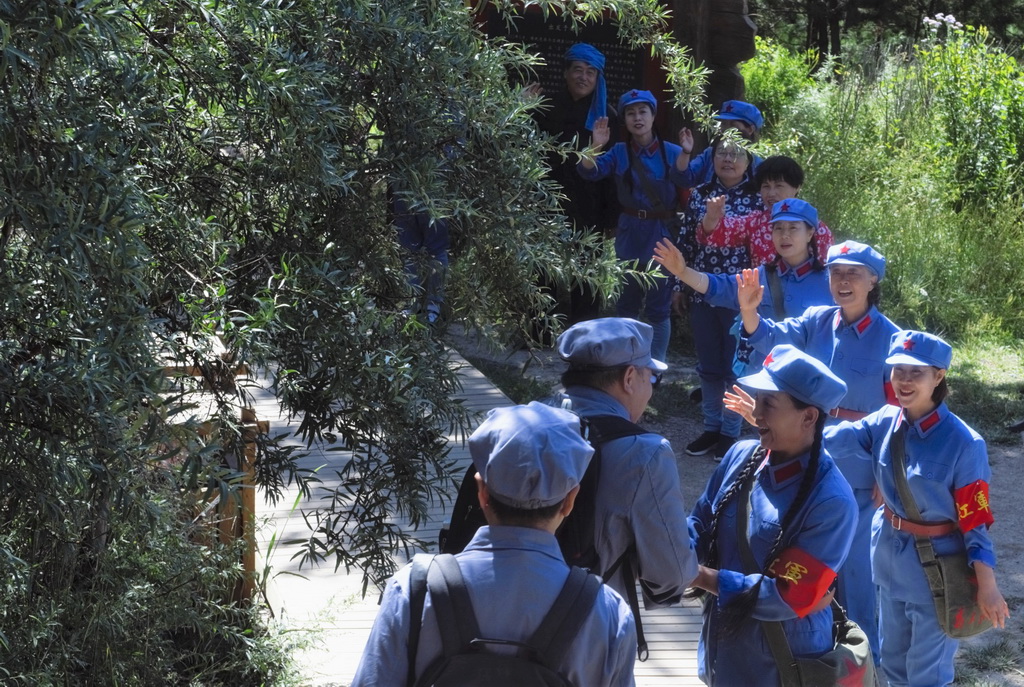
<point>529,462</point>
<point>638,505</point>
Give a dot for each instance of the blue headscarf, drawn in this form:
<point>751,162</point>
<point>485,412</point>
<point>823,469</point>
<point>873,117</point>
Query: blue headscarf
<point>584,52</point>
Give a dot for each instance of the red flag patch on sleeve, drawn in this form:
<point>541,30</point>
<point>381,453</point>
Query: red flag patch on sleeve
<point>972,505</point>
<point>802,580</point>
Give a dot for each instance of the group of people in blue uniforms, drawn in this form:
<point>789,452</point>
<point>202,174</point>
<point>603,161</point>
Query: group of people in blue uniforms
<point>797,347</point>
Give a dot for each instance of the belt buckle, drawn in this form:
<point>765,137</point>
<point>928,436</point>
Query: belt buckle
<point>896,522</point>
<point>642,214</point>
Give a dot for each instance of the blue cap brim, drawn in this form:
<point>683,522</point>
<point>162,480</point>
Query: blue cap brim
<point>789,216</point>
<point>907,359</point>
<point>759,380</point>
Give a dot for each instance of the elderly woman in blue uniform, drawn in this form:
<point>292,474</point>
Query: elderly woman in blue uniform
<point>947,471</point>
<point>800,278</point>
<point>648,203</point>
<point>799,523</point>
<point>852,338</point>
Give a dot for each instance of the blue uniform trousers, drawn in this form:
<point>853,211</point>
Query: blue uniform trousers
<point>716,348</point>
<point>915,652</point>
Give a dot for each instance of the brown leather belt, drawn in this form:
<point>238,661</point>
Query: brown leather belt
<point>918,529</point>
<point>648,214</point>
<point>847,414</point>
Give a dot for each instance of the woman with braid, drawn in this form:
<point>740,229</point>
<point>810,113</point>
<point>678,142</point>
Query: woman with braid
<point>777,563</point>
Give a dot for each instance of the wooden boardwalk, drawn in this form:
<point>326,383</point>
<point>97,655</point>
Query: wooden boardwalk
<point>331,606</point>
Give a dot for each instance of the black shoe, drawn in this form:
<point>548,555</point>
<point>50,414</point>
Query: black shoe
<point>696,394</point>
<point>702,444</point>
<point>722,447</point>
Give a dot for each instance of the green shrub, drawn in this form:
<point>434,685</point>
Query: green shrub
<point>775,76</point>
<point>904,155</point>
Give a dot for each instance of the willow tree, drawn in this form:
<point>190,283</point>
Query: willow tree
<point>185,168</point>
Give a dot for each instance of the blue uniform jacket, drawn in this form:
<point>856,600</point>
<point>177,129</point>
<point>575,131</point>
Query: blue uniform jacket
<point>943,454</point>
<point>639,504</point>
<point>701,170</point>
<point>514,575</point>
<point>636,237</point>
<point>855,352</point>
<point>823,529</point>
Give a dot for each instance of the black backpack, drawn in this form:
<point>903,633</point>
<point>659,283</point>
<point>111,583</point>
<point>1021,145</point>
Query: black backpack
<point>576,533</point>
<point>468,658</point>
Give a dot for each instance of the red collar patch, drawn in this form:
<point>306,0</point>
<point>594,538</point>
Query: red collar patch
<point>786,472</point>
<point>863,324</point>
<point>929,421</point>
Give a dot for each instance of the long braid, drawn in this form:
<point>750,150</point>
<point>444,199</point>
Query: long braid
<point>744,474</point>
<point>736,612</point>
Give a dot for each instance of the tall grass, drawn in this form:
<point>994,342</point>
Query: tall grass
<point>919,153</point>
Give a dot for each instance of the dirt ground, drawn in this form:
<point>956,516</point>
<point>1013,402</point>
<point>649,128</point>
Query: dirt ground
<point>994,658</point>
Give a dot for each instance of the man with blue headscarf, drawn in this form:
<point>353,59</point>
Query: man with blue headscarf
<point>570,115</point>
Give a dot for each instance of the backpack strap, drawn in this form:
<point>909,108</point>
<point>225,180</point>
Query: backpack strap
<point>562,623</point>
<point>775,285</point>
<point>417,598</point>
<point>600,430</point>
<point>450,600</point>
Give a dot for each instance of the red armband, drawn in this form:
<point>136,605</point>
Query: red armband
<point>972,505</point>
<point>802,580</point>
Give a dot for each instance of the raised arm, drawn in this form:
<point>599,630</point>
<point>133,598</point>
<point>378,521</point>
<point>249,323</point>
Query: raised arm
<point>686,143</point>
<point>599,139</point>
<point>749,293</point>
<point>668,256</point>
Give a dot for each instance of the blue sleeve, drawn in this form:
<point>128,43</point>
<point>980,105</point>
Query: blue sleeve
<point>852,446</point>
<point>971,466</point>
<point>666,556</point>
<point>722,290</point>
<point>605,164</point>
<point>695,173</point>
<point>792,330</point>
<point>386,658</point>
<point>826,535</point>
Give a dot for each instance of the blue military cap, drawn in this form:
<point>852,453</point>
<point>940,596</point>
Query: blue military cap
<point>796,210</point>
<point>530,456</point>
<point>909,347</point>
<point>855,253</point>
<point>745,112</point>
<point>609,342</point>
<point>789,369</point>
<point>635,96</point>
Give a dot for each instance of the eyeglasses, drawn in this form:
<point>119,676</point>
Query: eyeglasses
<point>727,155</point>
<point>656,377</point>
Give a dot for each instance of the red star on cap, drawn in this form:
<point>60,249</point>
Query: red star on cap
<point>632,94</point>
<point>844,250</point>
<point>908,345</point>
<point>769,360</point>
<point>785,207</point>
<point>728,108</point>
